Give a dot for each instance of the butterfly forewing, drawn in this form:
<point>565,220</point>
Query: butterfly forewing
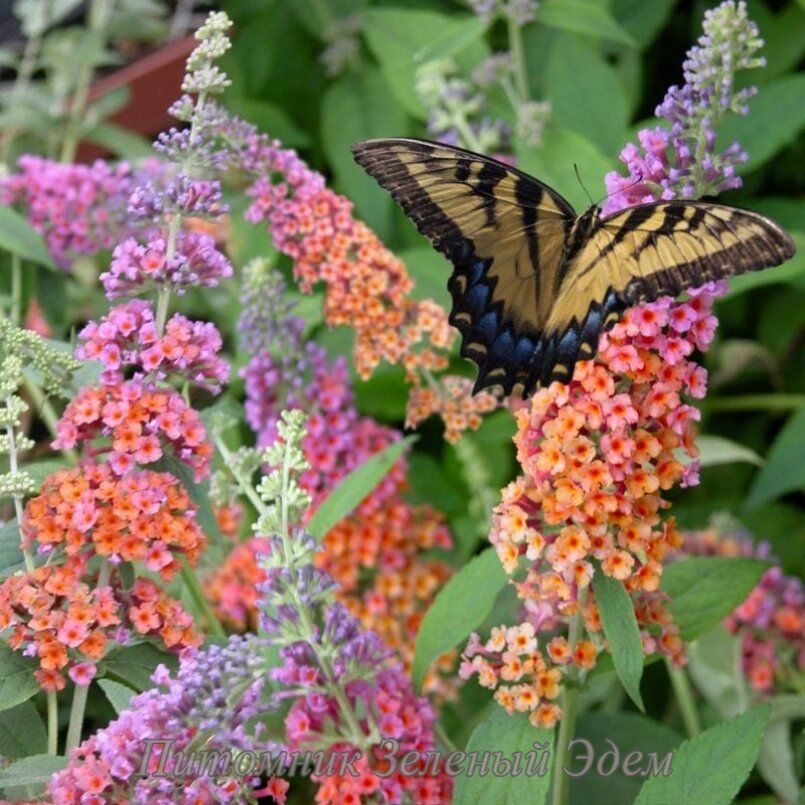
<point>504,232</point>
<point>534,286</point>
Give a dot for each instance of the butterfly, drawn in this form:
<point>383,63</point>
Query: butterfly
<point>535,284</point>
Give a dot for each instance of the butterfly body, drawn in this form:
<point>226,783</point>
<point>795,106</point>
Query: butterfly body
<point>534,284</point>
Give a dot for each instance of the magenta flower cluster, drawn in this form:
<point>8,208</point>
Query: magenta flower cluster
<point>127,337</point>
<point>78,209</point>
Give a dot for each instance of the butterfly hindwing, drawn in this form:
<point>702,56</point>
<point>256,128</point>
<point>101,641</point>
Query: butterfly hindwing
<point>662,249</point>
<point>505,234</point>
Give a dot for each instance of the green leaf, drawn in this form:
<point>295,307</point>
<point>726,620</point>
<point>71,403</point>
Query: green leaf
<point>711,767</point>
<point>118,695</point>
<point>583,17</point>
<point>577,70</point>
<point>121,142</point>
<point>620,628</point>
<point>11,558</point>
<point>784,44</point>
<point>776,762</point>
<point>780,101</point>
<point>199,493</point>
<point>355,487</point>
<point>642,20</point>
<point>34,770</point>
<point>785,464</point>
<point>705,589</point>
<point>17,681</point>
<point>399,37</point>
<point>359,106</point>
<point>714,668</point>
<point>718,450</point>
<point>430,270</point>
<point>460,606</point>
<point>22,732</point>
<point>553,163</point>
<point>452,40</point>
<point>270,119</point>
<point>507,737</point>
<point>630,732</point>
<point>19,237</point>
<point>135,664</point>
<point>39,470</point>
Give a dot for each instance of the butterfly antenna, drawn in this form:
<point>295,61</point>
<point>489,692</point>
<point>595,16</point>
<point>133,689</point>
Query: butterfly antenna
<point>578,176</point>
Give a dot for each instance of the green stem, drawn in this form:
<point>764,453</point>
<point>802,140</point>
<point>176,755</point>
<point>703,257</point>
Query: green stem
<point>443,737</point>
<point>561,781</point>
<point>470,140</point>
<point>163,300</point>
<point>518,58</point>
<point>48,415</point>
<point>99,14</point>
<point>684,697</point>
<point>243,482</point>
<point>14,469</point>
<point>16,290</point>
<point>755,402</point>
<point>197,594</point>
<point>76,717</point>
<point>53,723</point>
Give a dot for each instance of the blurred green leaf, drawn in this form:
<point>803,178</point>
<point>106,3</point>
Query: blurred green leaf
<point>118,695</point>
<point>398,37</point>
<point>270,119</point>
<point>630,732</point>
<point>17,681</point>
<point>135,664</point>
<point>19,237</point>
<point>358,107</point>
<point>510,738</point>
<point>776,762</point>
<point>712,766</point>
<point>641,20</point>
<point>460,606</point>
<point>718,450</point>
<point>445,44</point>
<point>35,770</point>
<point>11,558</point>
<point>715,670</point>
<point>583,17</point>
<point>621,630</point>
<point>430,270</point>
<point>705,589</point>
<point>785,464</point>
<point>348,494</point>
<point>577,70</point>
<point>22,732</point>
<point>782,34</point>
<point>553,163</point>
<point>779,101</point>
<point>121,142</point>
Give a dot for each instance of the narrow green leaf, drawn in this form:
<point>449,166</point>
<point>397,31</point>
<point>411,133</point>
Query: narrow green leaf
<point>711,767</point>
<point>118,695</point>
<point>34,770</point>
<point>135,664</point>
<point>583,17</point>
<point>705,589</point>
<point>355,487</point>
<point>121,142</point>
<point>205,516</point>
<point>776,762</point>
<point>621,630</point>
<point>22,732</point>
<point>785,464</point>
<point>718,450</point>
<point>17,681</point>
<point>19,237</point>
<point>460,606</point>
<point>504,738</point>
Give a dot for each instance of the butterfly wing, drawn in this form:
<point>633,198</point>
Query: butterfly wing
<point>646,252</point>
<point>504,232</point>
